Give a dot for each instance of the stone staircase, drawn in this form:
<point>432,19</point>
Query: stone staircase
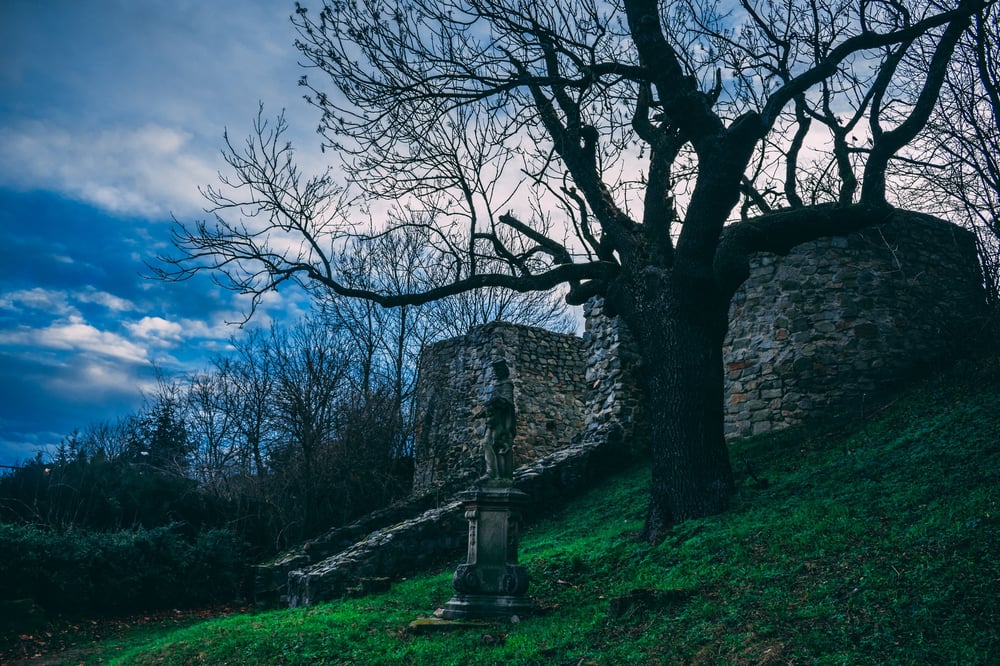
<point>427,529</point>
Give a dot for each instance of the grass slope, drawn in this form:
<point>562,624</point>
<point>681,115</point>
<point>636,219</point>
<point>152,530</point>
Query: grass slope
<point>874,545</point>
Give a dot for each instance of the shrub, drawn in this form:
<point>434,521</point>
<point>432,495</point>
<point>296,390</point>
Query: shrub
<point>77,571</point>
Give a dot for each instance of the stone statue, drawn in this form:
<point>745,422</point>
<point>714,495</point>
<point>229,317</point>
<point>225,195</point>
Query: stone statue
<point>491,584</point>
<point>500,426</point>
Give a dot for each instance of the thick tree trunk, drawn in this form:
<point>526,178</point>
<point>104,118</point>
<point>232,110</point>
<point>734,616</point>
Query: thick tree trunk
<point>679,325</point>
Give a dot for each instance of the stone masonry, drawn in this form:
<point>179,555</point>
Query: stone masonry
<point>548,371</point>
<point>613,397</point>
<point>563,386</point>
<point>407,537</point>
<point>829,327</point>
<point>824,329</point>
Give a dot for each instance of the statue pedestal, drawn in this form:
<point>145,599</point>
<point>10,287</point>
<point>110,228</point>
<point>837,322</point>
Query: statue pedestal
<point>491,584</point>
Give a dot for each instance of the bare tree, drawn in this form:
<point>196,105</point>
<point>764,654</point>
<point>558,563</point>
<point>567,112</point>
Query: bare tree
<point>455,315</point>
<point>212,431</point>
<point>251,377</point>
<point>284,432</point>
<point>386,342</point>
<point>383,342</point>
<point>310,370</point>
<point>108,439</point>
<point>955,166</point>
<point>599,145</point>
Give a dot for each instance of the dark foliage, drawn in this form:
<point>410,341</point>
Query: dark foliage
<point>86,572</point>
<point>94,493</point>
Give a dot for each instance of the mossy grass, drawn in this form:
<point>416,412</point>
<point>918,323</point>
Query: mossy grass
<point>877,543</point>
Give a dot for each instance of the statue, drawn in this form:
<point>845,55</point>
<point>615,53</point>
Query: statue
<point>500,426</point>
<point>491,584</point>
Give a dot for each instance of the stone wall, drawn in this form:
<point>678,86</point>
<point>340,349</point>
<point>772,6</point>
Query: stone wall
<point>612,397</point>
<point>415,538</point>
<point>455,378</point>
<point>838,320</point>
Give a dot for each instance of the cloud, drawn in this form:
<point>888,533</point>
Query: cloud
<point>57,302</point>
<point>57,393</point>
<point>56,321</point>
<point>52,301</point>
<point>75,335</point>
<point>112,118</point>
<point>109,301</point>
<point>96,379</point>
<point>146,171</point>
<point>157,330</point>
<point>19,447</point>
<point>123,104</point>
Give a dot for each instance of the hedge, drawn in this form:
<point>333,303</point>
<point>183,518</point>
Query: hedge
<point>77,571</point>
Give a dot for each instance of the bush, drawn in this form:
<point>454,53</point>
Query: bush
<point>96,572</point>
<point>77,492</point>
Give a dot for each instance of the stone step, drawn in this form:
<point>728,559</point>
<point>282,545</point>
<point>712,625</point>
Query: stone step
<point>439,535</point>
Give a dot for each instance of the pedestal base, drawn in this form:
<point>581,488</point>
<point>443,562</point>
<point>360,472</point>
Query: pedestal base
<point>491,584</point>
<point>482,606</point>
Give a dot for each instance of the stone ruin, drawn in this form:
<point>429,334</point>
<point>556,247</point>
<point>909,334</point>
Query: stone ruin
<point>823,330</point>
<point>452,389</point>
<point>565,386</point>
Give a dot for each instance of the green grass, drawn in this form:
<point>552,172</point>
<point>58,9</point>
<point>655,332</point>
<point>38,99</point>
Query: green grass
<point>873,545</point>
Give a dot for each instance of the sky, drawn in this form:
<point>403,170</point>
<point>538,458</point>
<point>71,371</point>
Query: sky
<point>111,117</point>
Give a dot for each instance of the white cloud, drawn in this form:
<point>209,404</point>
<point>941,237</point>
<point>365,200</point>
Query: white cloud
<point>157,330</point>
<point>146,171</point>
<point>54,301</point>
<point>76,335</point>
<point>92,380</point>
<point>123,105</point>
<point>60,303</point>
<point>110,301</point>
<point>97,377</point>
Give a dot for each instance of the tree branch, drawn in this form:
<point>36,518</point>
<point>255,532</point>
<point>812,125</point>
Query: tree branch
<point>779,232</point>
<point>888,144</point>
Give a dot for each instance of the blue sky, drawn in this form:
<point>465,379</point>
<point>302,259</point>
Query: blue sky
<point>111,117</point>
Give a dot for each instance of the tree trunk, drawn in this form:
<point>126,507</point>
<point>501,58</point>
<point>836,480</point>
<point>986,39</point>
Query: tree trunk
<point>679,323</point>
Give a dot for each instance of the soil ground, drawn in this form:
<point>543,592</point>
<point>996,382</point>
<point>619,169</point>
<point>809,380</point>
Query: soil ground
<point>72,641</point>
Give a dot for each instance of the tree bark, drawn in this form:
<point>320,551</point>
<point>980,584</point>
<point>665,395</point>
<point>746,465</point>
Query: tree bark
<point>679,322</point>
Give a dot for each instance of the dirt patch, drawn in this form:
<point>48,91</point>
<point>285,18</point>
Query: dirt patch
<point>69,641</point>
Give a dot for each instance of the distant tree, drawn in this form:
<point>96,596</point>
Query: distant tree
<point>383,343</point>
<point>603,146</point>
<point>455,315</point>
<point>87,491</point>
<point>160,437</point>
<point>212,429</point>
<point>310,371</point>
<point>387,342</point>
<point>109,439</point>
<point>250,375</point>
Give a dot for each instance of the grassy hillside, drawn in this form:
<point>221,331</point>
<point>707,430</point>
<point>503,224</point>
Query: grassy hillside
<point>875,544</point>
